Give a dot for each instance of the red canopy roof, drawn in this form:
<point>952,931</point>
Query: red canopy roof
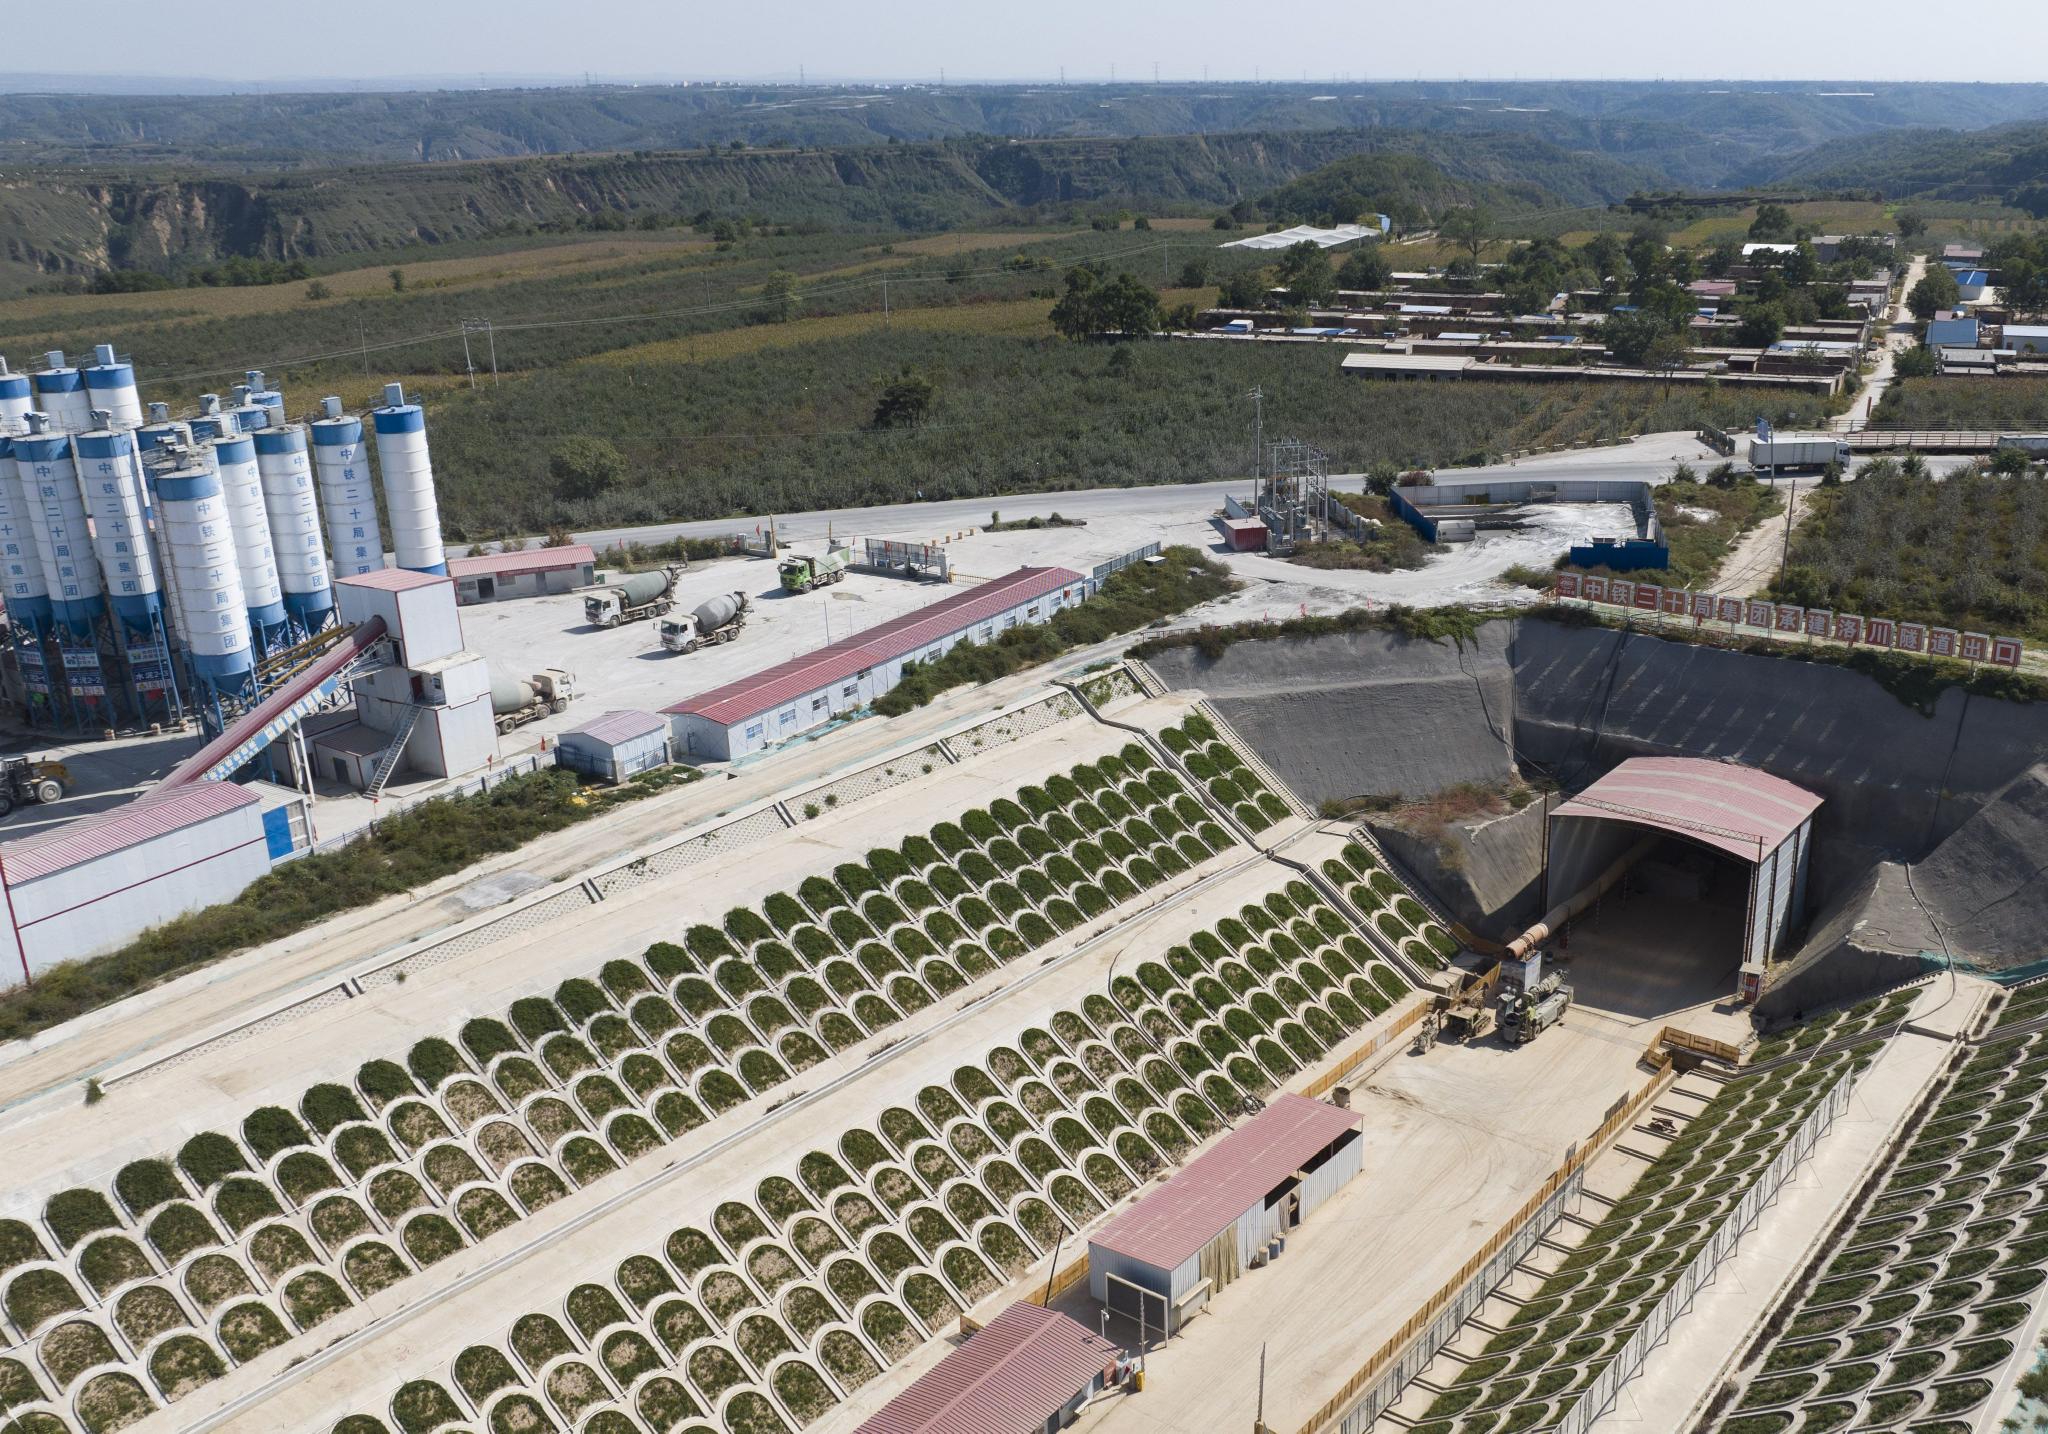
<point>1008,1378</point>
<point>1739,810</point>
<point>1218,1186</point>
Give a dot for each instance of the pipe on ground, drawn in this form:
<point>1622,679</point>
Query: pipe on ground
<point>1519,948</point>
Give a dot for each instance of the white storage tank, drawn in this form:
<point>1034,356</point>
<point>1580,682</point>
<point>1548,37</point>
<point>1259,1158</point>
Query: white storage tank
<point>16,400</point>
<point>249,417</point>
<point>160,430</point>
<point>108,476</point>
<point>110,387</point>
<point>342,466</point>
<point>409,483</point>
<point>263,396</point>
<point>289,499</point>
<point>201,538</point>
<point>21,565</point>
<point>211,421</point>
<point>60,393</point>
<point>241,488</point>
<point>57,517</point>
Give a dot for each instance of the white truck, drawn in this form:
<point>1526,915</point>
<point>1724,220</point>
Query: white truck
<point>718,620</point>
<point>517,700</point>
<point>643,595</point>
<point>1777,455</point>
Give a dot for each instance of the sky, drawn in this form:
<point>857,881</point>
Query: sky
<point>368,40</point>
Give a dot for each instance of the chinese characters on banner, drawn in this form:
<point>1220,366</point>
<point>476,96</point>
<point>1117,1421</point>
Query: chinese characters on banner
<point>1855,631</point>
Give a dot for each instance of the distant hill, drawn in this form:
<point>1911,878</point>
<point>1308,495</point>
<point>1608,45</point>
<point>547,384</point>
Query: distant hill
<point>56,223</point>
<point>2006,165</point>
<point>1694,134</point>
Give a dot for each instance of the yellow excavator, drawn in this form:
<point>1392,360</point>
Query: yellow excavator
<point>26,781</point>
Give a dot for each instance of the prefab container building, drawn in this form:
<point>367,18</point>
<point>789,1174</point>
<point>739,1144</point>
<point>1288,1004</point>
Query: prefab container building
<point>808,691</point>
<point>1165,1257</point>
<point>1027,1371</point>
<point>615,746</point>
<point>492,577</point>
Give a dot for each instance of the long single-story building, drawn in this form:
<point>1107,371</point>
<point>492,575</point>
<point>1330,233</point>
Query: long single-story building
<point>531,572</point>
<point>1027,1371</point>
<point>96,883</point>
<point>792,697</point>
<point>1163,1259</point>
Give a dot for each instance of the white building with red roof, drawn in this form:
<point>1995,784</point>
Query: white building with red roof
<point>810,690</point>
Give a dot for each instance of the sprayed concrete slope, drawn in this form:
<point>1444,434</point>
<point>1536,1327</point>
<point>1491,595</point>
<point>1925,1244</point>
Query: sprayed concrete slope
<point>1357,713</point>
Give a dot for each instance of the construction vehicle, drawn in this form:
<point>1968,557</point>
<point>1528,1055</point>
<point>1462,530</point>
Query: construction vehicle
<point>518,700</point>
<point>719,620</point>
<point>641,595</point>
<point>27,782</point>
<point>800,574</point>
<point>1460,1014</point>
<point>1525,1015</point>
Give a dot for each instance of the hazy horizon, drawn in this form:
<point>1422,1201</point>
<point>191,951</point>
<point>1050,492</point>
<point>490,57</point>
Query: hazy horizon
<point>471,43</point>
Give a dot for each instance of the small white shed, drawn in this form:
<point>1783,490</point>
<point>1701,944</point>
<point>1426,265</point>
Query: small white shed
<point>615,746</point>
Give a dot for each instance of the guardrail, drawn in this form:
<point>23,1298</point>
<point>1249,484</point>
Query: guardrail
<point>1607,1384</point>
<point>1674,1039</point>
<point>1379,1381</point>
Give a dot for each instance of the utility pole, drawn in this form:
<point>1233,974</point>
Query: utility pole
<point>885,303</point>
<point>1791,502</point>
<point>1259,1427</point>
<point>468,364</point>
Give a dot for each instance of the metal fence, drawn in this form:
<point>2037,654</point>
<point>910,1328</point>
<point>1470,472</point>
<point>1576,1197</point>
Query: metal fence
<point>1117,565</point>
<point>1607,1384</point>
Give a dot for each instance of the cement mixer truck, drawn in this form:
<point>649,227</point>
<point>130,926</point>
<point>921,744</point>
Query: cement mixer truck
<point>719,620</point>
<point>517,700</point>
<point>642,595</point>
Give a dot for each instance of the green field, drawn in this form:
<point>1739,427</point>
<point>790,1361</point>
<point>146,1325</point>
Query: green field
<point>2016,403</point>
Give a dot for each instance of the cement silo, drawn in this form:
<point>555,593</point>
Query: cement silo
<point>109,477</point>
<point>60,394</point>
<point>110,387</point>
<point>16,400</point>
<point>56,515</point>
<point>211,422</point>
<point>408,483</point>
<point>201,538</point>
<point>21,565</point>
<point>288,497</point>
<point>265,397</point>
<point>241,489</point>
<point>249,417</point>
<point>342,466</point>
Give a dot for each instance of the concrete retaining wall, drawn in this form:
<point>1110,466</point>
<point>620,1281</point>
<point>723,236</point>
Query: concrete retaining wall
<point>1363,713</point>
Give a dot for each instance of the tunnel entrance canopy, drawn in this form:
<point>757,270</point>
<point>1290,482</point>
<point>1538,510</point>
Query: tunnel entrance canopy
<point>1762,821</point>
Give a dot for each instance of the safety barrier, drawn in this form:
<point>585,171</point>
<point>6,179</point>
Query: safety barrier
<point>1673,1038</point>
<point>1368,1048</point>
<point>1607,1384</point>
<point>1379,1381</point>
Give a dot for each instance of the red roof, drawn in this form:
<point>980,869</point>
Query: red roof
<point>154,814</point>
<point>1739,810</point>
<point>1010,1377</point>
<point>1212,1191</point>
<point>391,580</point>
<point>764,691</point>
<point>618,726</point>
<point>532,560</point>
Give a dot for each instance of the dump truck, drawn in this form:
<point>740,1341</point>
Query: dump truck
<point>642,595</point>
<point>1775,455</point>
<point>27,782</point>
<point>517,700</point>
<point>1525,1015</point>
<point>719,620</point>
<point>800,574</point>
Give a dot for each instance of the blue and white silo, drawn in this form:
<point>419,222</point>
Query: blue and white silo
<point>265,397</point>
<point>289,498</point>
<point>205,564</point>
<point>241,489</point>
<point>110,478</point>
<point>110,386</point>
<point>17,400</point>
<point>21,564</point>
<point>60,393</point>
<point>211,422</point>
<point>249,417</point>
<point>409,483</point>
<point>342,466</point>
<point>56,515</point>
